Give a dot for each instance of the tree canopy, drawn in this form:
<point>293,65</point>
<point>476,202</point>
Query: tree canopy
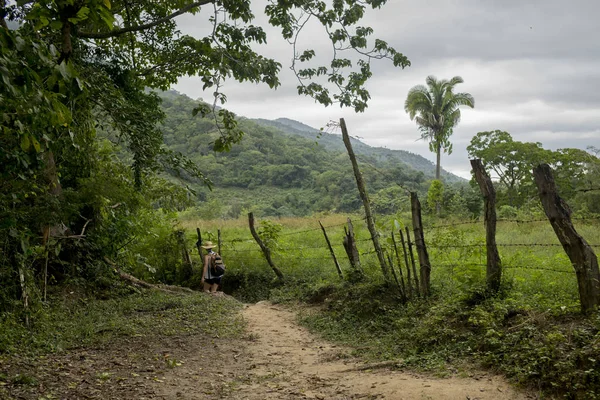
<point>78,80</point>
<point>436,110</point>
<point>512,162</point>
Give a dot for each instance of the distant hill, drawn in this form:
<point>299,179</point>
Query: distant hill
<point>333,142</point>
<point>286,168</point>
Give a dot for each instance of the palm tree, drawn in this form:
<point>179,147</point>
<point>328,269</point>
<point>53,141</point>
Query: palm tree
<point>435,108</point>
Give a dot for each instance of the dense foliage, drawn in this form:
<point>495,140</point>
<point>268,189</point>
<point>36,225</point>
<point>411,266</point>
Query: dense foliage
<point>91,162</point>
<point>577,172</point>
<point>81,142</point>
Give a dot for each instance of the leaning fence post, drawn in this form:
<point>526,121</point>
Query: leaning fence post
<point>337,265</point>
<point>494,264</point>
<point>399,265</point>
<point>577,248</point>
<point>400,287</point>
<point>266,251</point>
<point>412,261</point>
<point>350,247</point>
<point>362,190</point>
<point>408,274</point>
<point>425,265</point>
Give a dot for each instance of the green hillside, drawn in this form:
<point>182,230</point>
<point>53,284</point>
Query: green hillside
<point>280,169</point>
<point>334,143</point>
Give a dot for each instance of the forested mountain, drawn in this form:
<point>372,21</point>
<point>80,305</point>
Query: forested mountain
<point>334,143</point>
<point>281,167</point>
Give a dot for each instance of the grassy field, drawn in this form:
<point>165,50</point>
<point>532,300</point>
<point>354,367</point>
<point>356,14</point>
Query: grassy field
<point>536,269</point>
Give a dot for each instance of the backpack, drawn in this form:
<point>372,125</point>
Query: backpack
<point>217,268</point>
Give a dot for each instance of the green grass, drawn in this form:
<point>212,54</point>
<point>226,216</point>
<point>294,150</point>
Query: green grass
<point>535,267</point>
<point>80,321</point>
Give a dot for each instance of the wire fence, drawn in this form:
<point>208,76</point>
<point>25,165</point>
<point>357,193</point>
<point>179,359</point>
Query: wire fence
<point>441,252</point>
<point>518,221</point>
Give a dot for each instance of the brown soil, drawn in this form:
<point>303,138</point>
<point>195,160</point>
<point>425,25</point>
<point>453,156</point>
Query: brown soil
<point>277,359</point>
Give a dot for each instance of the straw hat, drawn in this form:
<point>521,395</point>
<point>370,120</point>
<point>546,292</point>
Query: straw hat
<point>208,245</point>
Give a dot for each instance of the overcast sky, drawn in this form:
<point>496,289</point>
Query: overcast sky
<point>532,66</point>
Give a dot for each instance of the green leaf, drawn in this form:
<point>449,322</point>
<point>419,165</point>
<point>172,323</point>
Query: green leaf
<point>36,144</point>
<point>56,25</point>
<point>25,142</point>
<point>82,15</point>
<point>107,17</point>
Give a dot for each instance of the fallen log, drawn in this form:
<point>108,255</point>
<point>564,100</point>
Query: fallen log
<point>138,282</point>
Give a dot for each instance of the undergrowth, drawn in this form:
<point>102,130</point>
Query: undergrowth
<point>77,319</point>
<point>552,351</point>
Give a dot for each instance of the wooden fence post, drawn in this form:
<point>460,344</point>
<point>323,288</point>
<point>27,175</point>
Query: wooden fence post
<point>494,264</point>
<point>187,267</point>
<point>399,265</point>
<point>408,274</point>
<point>577,248</point>
<point>412,261</point>
<point>400,287</point>
<point>266,251</point>
<point>198,244</point>
<point>219,242</point>
<point>350,247</point>
<point>337,265</point>
<point>362,190</point>
<point>425,265</point>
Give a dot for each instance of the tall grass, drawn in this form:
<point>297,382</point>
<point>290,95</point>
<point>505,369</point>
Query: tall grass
<point>536,269</point>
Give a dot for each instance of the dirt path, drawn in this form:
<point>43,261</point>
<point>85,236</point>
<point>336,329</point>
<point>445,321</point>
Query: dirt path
<point>281,360</point>
<point>277,359</point>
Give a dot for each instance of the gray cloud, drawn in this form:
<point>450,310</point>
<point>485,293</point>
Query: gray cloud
<point>533,68</point>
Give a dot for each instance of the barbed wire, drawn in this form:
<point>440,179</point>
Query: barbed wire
<point>312,229</point>
<point>501,245</point>
<point>519,221</point>
<point>538,269</point>
<point>508,267</point>
<point>454,224</point>
<point>587,189</point>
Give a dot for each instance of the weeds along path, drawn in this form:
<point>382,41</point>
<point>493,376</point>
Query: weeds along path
<point>281,360</point>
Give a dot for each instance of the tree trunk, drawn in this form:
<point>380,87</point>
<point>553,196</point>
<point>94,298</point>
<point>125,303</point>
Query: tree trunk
<point>67,45</point>
<point>3,14</point>
<point>438,161</point>
<point>24,291</point>
<point>266,251</point>
<point>438,174</point>
<point>362,190</point>
<point>494,264</point>
<point>425,265</point>
<point>138,282</point>
<point>577,248</point>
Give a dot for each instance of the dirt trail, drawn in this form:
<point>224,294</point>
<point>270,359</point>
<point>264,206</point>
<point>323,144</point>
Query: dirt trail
<point>281,360</point>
